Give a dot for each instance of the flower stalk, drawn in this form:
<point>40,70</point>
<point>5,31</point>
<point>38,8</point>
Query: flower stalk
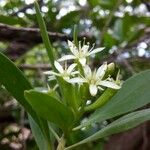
<point>77,82</point>
<point>104,98</point>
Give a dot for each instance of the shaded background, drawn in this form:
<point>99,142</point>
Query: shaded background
<point>121,26</point>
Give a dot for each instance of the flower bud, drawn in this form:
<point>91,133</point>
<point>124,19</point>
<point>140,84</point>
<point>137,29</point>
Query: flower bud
<point>111,68</point>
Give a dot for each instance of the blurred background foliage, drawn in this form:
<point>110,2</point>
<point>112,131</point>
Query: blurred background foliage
<point>121,26</point>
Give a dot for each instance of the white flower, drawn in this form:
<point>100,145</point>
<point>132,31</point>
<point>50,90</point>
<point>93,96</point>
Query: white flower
<point>80,53</point>
<point>95,79</point>
<point>65,73</point>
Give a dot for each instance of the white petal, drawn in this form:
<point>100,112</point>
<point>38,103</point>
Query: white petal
<point>73,48</point>
<point>85,48</point>
<point>51,73</point>
<point>87,71</point>
<point>55,87</point>
<point>82,61</point>
<point>101,71</point>
<point>70,44</point>
<point>47,72</point>
<point>71,68</point>
<point>58,67</point>
<point>118,76</point>
<point>75,72</point>
<point>110,84</point>
<point>67,57</point>
<point>51,78</point>
<point>75,51</point>
<point>66,78</point>
<point>77,80</point>
<point>93,89</point>
<point>95,51</point>
<point>100,88</point>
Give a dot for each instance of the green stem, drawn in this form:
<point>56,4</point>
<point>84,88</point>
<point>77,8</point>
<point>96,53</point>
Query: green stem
<point>48,145</point>
<point>61,144</point>
<point>80,68</point>
<point>69,94</point>
<point>54,133</point>
<point>44,35</point>
<point>46,40</point>
<point>75,36</point>
<point>104,98</point>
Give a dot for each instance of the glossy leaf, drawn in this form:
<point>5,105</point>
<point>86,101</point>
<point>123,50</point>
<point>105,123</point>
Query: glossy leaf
<point>122,124</point>
<point>50,108</point>
<point>15,82</point>
<point>133,94</point>
<point>38,135</point>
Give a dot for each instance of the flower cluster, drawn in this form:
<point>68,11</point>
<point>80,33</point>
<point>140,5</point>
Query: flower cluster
<point>96,79</point>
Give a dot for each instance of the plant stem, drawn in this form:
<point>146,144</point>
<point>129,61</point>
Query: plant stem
<point>54,133</point>
<point>44,35</point>
<point>48,146</point>
<point>61,144</point>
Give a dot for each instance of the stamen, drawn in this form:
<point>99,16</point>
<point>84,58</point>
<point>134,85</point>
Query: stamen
<point>79,45</point>
<point>84,38</point>
<point>48,87</point>
<point>65,65</point>
<point>118,75</point>
<point>92,47</point>
<point>55,87</point>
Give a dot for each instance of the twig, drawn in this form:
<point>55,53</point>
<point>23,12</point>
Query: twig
<point>108,59</point>
<point>35,67</point>
<point>22,39</point>
<point>6,30</point>
<point>10,33</point>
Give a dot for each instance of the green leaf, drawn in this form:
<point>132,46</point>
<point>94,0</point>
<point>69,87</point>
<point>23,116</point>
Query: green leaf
<point>135,35</point>
<point>44,35</point>
<point>93,3</point>
<point>50,108</point>
<point>11,20</point>
<point>133,94</point>
<point>105,4</point>
<point>70,99</point>
<point>125,28</point>
<point>118,30</point>
<point>64,23</point>
<point>122,124</point>
<point>15,82</point>
<point>38,135</point>
<point>109,40</point>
